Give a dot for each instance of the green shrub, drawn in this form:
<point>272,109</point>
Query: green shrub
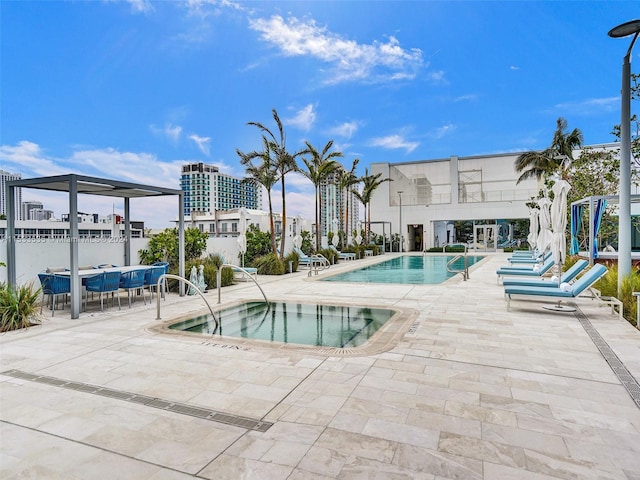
<point>18,306</point>
<point>269,264</point>
<point>608,286</point>
<point>330,255</point>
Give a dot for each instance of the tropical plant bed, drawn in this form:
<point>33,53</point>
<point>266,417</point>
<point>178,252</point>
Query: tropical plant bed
<point>18,307</point>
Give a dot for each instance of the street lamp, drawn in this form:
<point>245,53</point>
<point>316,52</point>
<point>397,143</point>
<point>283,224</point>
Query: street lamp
<point>624,211</point>
<point>401,246</point>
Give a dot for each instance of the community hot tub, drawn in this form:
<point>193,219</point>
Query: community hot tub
<point>282,324</point>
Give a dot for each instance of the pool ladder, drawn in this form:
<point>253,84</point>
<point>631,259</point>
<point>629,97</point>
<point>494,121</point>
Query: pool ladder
<point>160,284</point>
<point>465,270</point>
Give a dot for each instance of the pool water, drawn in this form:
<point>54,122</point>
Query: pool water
<point>411,269</point>
<point>318,325</point>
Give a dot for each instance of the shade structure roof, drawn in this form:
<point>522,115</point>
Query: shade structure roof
<point>94,186</point>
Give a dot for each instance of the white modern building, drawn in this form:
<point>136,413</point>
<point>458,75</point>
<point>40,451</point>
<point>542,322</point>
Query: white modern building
<point>334,204</point>
<point>230,223</point>
<point>207,190</point>
<point>427,202</point>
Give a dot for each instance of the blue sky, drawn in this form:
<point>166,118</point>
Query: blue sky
<point>131,90</point>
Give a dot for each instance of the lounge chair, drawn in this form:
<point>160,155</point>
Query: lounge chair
<point>529,260</point>
<point>572,291</point>
<point>528,271</point>
<point>343,256</point>
<point>313,261</point>
<point>567,276</point>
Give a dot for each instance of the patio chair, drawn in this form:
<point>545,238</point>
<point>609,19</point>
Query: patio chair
<point>343,256</point>
<point>132,281</point>
<point>103,283</point>
<point>567,277</point>
<point>571,291</point>
<point>317,261</point>
<point>528,271</point>
<point>151,277</point>
<point>54,285</point>
<point>166,270</point>
<point>527,260</point>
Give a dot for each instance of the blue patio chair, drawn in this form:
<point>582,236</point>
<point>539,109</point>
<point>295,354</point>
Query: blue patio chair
<point>527,271</point>
<point>151,277</point>
<point>166,270</point>
<point>572,291</point>
<point>343,255</point>
<point>131,281</point>
<point>54,285</point>
<point>103,283</point>
<point>522,259</point>
<point>566,277</point>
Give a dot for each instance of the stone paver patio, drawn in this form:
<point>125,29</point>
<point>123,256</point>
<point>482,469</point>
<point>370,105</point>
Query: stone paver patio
<point>467,390</point>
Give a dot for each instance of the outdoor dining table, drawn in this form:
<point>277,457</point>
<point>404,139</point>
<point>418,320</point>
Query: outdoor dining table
<point>89,272</point>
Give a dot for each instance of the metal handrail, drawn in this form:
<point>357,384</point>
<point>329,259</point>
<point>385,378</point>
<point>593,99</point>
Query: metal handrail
<point>235,267</point>
<point>318,260</point>
<point>444,247</point>
<point>465,271</point>
<point>195,287</point>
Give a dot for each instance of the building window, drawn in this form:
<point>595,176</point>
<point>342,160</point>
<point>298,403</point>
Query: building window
<point>234,226</point>
<point>212,228</point>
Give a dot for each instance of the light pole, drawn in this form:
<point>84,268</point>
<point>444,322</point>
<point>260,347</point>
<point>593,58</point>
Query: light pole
<point>624,210</point>
<point>401,246</point>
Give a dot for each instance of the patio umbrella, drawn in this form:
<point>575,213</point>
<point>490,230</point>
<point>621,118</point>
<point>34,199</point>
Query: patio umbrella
<point>336,238</point>
<point>297,241</point>
<point>559,223</point>
<point>533,227</point>
<point>242,245</point>
<point>544,236</point>
<point>193,278</point>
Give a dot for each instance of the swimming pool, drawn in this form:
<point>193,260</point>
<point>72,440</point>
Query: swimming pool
<point>411,269</point>
<point>317,325</point>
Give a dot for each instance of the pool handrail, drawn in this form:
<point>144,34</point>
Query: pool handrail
<point>195,287</point>
<point>236,268</point>
<point>444,247</point>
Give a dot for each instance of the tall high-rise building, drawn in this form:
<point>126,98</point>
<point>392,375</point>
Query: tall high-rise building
<point>4,178</point>
<point>28,206</point>
<point>335,202</point>
<point>206,190</point>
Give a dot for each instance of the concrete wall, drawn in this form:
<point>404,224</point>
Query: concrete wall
<point>35,255</point>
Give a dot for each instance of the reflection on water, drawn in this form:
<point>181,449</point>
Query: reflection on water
<point>410,269</point>
<point>319,325</point>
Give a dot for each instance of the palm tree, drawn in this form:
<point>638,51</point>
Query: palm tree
<point>266,175</point>
<point>369,185</point>
<point>555,159</point>
<point>319,166</point>
<point>346,181</point>
<point>284,163</point>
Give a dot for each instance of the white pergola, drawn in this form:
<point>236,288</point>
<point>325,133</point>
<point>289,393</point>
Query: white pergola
<point>590,203</point>
<point>80,184</point>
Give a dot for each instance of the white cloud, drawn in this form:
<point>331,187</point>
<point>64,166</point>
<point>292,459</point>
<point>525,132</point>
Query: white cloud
<point>201,142</point>
<point>28,159</point>
<point>351,61</point>
<point>346,129</point>
<point>513,67</point>
<point>443,130</point>
<point>589,106</point>
<point>140,6</point>
<point>467,97</point>
<point>303,119</point>
<point>172,132</point>
<point>394,142</point>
